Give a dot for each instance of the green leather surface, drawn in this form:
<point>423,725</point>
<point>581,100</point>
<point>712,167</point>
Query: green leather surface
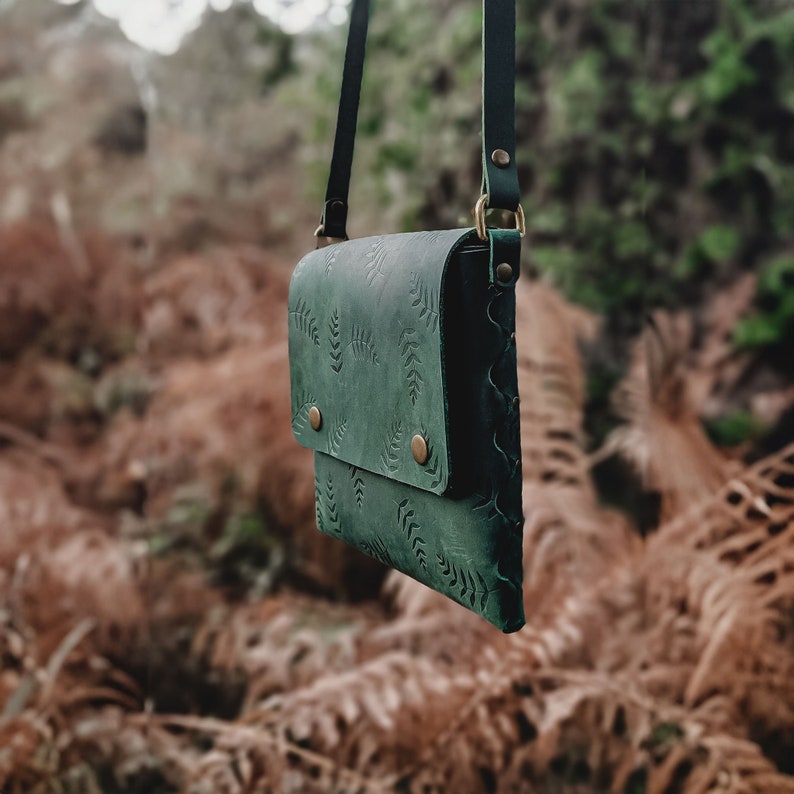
<point>461,548</point>
<point>366,338</point>
<point>457,529</point>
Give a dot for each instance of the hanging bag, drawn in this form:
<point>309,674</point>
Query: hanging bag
<point>403,366</point>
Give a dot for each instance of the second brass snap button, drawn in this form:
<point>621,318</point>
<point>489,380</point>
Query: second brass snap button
<point>504,272</point>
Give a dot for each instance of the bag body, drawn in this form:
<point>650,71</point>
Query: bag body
<point>403,366</point>
<point>402,351</point>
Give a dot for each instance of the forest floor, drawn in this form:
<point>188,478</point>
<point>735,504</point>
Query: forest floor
<point>172,621</point>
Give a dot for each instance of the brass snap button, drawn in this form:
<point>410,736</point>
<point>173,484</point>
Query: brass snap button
<point>315,418</point>
<point>419,450</point>
<point>500,158</point>
<point>504,272</point>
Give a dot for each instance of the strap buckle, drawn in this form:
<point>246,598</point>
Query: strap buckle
<point>479,211</point>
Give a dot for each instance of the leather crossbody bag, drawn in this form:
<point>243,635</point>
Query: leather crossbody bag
<point>403,366</point>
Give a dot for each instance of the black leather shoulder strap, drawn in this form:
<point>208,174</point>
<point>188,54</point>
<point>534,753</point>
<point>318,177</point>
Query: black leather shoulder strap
<point>334,219</point>
<point>500,177</point>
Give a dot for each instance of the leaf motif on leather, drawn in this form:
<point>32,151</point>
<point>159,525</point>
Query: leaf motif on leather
<point>487,503</point>
<point>358,485</point>
<point>377,548</point>
<point>300,411</point>
<point>406,518</point>
<point>318,509</point>
<point>390,457</point>
<point>301,315</point>
<point>362,345</point>
<point>335,342</point>
<point>409,347</point>
<point>434,467</point>
<point>376,257</point>
<point>463,581</point>
<point>431,237</point>
<point>329,259</point>
<point>336,435</point>
<point>330,501</point>
<point>426,300</point>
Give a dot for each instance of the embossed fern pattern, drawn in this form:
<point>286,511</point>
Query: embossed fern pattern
<point>300,411</point>
<point>330,503</point>
<point>486,503</point>
<point>336,435</point>
<point>426,300</point>
<point>318,506</point>
<point>377,548</point>
<point>358,485</point>
<point>329,259</point>
<point>433,468</point>
<point>463,582</point>
<point>335,342</point>
<point>390,457</point>
<point>301,315</point>
<point>362,345</point>
<point>406,519</point>
<point>376,257</point>
<point>409,347</point>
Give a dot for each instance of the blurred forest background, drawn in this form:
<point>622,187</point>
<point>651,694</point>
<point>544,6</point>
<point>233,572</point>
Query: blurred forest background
<point>170,619</point>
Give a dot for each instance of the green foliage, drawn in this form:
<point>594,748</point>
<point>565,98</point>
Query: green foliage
<point>773,321</point>
<point>637,782</point>
<point>665,734</point>
<point>235,542</point>
<point>417,120</point>
<point>652,145</point>
<point>185,522</point>
<point>718,243</point>
<point>575,104</point>
<point>715,246</point>
<point>400,155</point>
<point>247,555</point>
<point>727,71</point>
<point>735,428</point>
<point>653,175</point>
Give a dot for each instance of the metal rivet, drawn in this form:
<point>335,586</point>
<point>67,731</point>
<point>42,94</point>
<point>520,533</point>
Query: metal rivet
<point>419,450</point>
<point>315,418</point>
<point>516,402</point>
<point>513,337</point>
<point>500,158</point>
<point>337,205</point>
<point>504,272</point>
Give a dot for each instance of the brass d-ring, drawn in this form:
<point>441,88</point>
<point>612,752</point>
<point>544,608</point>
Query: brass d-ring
<point>479,216</point>
<point>480,209</point>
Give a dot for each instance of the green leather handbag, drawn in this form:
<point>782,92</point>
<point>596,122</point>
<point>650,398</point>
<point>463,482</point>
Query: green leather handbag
<point>403,367</point>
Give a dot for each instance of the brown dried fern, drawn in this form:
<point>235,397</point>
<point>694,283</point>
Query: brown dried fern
<point>663,437</point>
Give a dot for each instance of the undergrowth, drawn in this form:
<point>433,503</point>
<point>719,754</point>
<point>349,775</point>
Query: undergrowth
<point>171,621</point>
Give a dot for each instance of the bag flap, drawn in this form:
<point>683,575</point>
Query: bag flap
<point>366,347</point>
